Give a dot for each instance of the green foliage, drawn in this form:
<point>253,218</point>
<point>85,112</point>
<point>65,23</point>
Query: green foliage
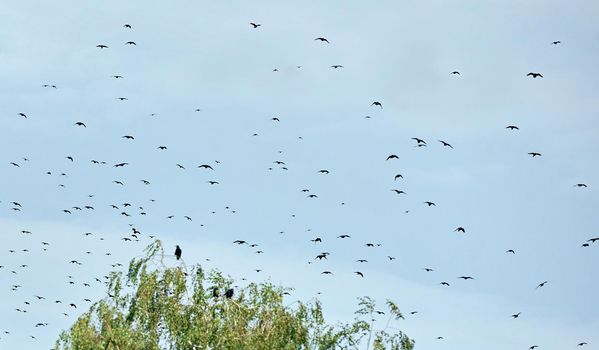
<point>153,307</point>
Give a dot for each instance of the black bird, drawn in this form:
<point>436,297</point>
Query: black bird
<point>556,42</point>
<point>516,315</point>
<point>398,191</point>
<point>455,72</point>
<point>510,251</point>
<point>336,66</point>
<point>512,127</point>
<point>460,229</point>
<point>397,177</point>
<point>178,252</point>
<point>127,26</point>
<point>534,154</point>
<point>229,293</point>
<point>377,103</point>
<point>392,156</point>
<point>206,166</point>
<point>534,75</point>
<point>23,115</point>
<point>101,46</point>
<point>80,124</point>
<point>430,204</point>
<point>359,274</point>
<point>580,185</point>
<point>323,40</point>
<point>445,144</point>
<point>542,284</point>
<point>255,25</point>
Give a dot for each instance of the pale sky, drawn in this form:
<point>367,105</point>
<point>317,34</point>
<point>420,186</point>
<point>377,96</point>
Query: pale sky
<point>205,55</point>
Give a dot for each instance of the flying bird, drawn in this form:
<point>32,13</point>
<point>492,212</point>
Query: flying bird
<point>445,144</point>
<point>392,156</point>
<point>542,284</point>
<point>377,103</point>
<point>512,127</point>
<point>534,75</point>
<point>534,154</point>
<point>255,25</point>
<point>322,39</point>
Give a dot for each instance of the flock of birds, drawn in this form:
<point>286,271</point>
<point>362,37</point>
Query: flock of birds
<point>131,211</point>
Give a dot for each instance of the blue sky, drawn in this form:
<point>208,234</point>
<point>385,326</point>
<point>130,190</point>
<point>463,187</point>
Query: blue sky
<point>205,55</point>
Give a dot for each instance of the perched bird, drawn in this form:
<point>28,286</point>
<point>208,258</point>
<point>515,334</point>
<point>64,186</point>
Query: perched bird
<point>229,293</point>
<point>178,252</point>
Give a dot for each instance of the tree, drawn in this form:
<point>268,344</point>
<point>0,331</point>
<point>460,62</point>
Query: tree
<point>154,307</point>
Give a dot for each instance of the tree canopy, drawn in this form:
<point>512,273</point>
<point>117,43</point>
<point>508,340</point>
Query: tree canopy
<point>155,307</point>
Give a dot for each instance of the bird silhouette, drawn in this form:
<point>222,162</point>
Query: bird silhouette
<point>535,75</point>
<point>178,252</point>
